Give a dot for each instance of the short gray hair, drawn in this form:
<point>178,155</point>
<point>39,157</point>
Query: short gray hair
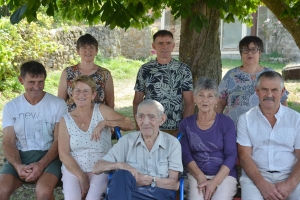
<point>204,83</point>
<point>151,102</point>
<point>270,75</point>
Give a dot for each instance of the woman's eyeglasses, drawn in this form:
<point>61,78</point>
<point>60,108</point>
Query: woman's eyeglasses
<point>252,50</point>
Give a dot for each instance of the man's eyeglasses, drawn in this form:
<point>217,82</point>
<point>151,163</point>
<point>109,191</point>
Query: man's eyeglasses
<point>252,50</point>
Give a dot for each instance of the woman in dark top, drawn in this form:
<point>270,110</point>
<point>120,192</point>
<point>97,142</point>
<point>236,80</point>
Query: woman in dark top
<point>209,150</point>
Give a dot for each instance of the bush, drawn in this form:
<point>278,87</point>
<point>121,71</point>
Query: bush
<point>20,43</point>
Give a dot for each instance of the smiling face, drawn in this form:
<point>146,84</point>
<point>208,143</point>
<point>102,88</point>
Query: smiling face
<point>269,92</point>
<point>250,58</point>
<point>33,85</point>
<point>82,94</point>
<point>148,120</point>
<point>87,53</point>
<point>164,46</point>
<point>205,100</point>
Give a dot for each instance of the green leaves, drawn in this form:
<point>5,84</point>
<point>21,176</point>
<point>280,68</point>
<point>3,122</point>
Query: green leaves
<point>18,15</point>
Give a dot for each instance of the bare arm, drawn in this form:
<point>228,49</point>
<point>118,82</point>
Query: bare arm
<point>11,152</point>
<point>64,151</point>
<point>111,119</point>
<point>109,92</point>
<point>138,98</point>
<point>287,186</point>
<point>267,189</point>
<point>62,87</point>
<point>188,103</point>
<point>221,105</point>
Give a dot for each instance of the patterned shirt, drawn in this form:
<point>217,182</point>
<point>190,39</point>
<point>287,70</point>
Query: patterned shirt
<point>210,148</point>
<point>100,77</point>
<point>164,155</point>
<point>166,84</point>
<point>273,148</point>
<point>238,89</point>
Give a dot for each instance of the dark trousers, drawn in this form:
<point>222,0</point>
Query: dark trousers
<point>122,186</point>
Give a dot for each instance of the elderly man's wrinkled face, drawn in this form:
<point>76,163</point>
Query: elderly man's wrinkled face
<point>148,120</point>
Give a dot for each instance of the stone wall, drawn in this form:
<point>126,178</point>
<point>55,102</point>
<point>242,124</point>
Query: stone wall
<point>132,43</point>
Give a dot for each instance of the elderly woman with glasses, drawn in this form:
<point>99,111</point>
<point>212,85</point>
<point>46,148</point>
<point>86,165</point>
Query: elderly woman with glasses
<point>209,149</point>
<point>237,88</point>
<point>81,144</point>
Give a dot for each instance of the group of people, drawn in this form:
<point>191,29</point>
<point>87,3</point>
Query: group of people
<point>245,118</point>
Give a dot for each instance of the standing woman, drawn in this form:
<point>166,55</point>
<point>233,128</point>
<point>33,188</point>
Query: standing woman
<point>209,149</point>
<point>237,88</point>
<point>87,49</point>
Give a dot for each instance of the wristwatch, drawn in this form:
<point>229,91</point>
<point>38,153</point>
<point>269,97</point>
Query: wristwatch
<point>153,183</point>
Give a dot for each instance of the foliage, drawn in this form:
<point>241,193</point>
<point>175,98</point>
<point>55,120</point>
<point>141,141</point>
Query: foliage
<point>274,32</point>
<point>20,43</point>
<point>126,13</point>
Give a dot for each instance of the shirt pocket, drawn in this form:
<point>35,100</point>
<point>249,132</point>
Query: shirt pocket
<point>162,169</point>
<point>137,166</point>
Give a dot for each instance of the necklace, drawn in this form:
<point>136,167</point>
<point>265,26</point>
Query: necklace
<point>213,117</point>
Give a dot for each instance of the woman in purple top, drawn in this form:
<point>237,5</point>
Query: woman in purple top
<point>209,150</point>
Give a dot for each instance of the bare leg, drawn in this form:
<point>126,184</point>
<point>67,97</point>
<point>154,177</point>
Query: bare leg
<point>8,184</point>
<point>45,186</point>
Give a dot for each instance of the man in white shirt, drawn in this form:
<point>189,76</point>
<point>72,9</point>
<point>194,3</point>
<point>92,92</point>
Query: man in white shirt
<point>30,130</point>
<point>269,144</point>
<point>148,161</point>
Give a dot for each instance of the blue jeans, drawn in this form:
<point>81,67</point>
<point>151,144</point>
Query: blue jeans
<point>122,186</point>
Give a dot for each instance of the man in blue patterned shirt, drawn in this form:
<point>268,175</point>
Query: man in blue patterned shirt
<point>167,81</point>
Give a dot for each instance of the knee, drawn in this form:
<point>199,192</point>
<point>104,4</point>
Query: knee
<point>44,193</point>
<point>5,192</point>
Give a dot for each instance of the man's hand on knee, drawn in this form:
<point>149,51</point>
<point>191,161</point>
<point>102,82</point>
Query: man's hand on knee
<point>36,171</point>
<point>284,189</point>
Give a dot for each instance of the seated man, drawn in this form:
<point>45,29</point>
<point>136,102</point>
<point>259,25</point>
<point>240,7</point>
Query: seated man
<point>30,129</point>
<point>269,144</point>
<point>148,161</point>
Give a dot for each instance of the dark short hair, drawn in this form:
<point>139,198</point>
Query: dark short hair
<point>270,75</point>
<point>33,68</point>
<point>162,33</point>
<point>86,39</point>
<point>248,39</point>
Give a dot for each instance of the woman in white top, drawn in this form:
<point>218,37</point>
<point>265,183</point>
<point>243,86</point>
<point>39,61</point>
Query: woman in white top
<point>84,138</point>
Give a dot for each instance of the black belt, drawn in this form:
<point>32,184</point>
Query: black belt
<point>273,172</point>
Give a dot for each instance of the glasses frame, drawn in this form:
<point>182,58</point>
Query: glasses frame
<point>84,92</point>
<point>252,50</point>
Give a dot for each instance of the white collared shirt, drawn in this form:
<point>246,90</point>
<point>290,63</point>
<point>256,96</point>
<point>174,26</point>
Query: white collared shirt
<point>164,155</point>
<point>272,148</point>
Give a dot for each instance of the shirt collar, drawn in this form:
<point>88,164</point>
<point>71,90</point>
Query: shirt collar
<point>158,142</point>
<point>279,113</point>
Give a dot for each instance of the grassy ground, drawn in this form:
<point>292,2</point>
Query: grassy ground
<point>124,73</point>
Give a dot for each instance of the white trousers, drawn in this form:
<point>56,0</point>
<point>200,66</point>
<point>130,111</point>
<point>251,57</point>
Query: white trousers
<point>250,191</point>
<point>226,190</point>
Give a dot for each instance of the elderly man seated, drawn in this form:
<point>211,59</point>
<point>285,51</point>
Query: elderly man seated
<point>148,161</point>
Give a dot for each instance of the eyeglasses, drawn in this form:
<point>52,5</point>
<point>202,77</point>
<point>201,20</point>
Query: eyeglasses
<point>252,50</point>
<point>85,92</point>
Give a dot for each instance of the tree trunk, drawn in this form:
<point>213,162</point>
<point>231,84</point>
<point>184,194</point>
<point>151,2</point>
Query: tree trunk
<point>201,51</point>
<point>290,23</point>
